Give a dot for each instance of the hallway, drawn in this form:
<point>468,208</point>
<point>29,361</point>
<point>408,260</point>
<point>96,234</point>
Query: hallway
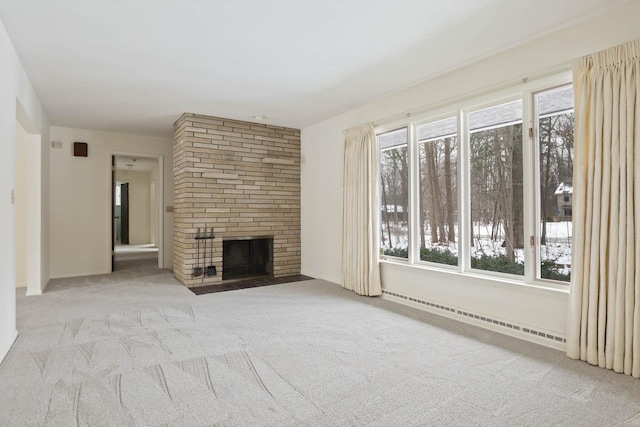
<point>134,257</point>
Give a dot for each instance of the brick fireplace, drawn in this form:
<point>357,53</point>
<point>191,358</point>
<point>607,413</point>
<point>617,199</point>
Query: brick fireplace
<point>243,180</point>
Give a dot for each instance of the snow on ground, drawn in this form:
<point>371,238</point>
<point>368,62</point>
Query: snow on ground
<point>557,247</point>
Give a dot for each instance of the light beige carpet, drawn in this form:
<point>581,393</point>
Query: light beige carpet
<point>135,348</point>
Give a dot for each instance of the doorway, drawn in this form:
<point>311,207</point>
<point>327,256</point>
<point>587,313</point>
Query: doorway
<point>136,230</point>
<point>122,213</point>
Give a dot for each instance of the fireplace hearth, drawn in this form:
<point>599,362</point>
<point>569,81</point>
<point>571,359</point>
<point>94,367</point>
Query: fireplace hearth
<point>247,257</point>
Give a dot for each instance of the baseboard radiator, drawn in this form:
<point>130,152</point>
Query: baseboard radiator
<point>551,340</point>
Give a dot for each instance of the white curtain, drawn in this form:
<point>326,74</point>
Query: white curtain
<point>360,267</point>
<point>604,311</point>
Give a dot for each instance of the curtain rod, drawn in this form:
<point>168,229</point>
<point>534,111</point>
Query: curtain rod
<point>474,94</point>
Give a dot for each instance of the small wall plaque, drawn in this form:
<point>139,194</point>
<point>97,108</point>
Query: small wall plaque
<point>80,149</point>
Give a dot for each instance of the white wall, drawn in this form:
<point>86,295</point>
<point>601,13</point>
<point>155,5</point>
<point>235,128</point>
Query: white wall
<point>139,204</point>
<point>322,151</point>
<point>81,198</point>
<point>22,159</point>
<point>15,89</point>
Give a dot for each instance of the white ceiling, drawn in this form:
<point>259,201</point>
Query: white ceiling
<point>136,65</point>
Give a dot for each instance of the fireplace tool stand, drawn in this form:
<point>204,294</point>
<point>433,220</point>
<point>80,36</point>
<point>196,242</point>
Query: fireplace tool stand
<point>204,270</point>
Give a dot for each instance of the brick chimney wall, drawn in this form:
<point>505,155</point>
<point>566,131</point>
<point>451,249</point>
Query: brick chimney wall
<point>242,179</point>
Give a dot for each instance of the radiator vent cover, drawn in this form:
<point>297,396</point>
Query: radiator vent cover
<point>486,319</point>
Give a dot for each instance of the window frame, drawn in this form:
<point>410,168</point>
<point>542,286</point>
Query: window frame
<point>535,235</point>
<point>415,163</point>
<point>467,180</point>
<point>460,109</point>
<point>378,222</point>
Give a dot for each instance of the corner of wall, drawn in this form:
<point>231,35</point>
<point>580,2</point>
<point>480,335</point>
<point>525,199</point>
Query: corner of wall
<point>6,346</point>
<point>45,166</point>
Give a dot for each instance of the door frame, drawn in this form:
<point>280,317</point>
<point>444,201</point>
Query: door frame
<point>160,241</point>
<point>113,213</point>
<point>37,273</point>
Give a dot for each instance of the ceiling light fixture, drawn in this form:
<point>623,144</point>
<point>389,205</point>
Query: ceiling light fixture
<point>260,117</point>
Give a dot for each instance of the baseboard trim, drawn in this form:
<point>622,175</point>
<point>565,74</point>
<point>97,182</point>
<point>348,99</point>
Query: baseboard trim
<point>6,346</point>
<point>78,274</point>
<point>320,276</point>
<point>31,292</point>
<point>525,332</point>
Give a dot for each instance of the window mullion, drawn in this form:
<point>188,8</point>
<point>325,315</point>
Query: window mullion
<point>529,184</point>
<point>414,196</point>
<point>464,199</point>
<point>537,216</point>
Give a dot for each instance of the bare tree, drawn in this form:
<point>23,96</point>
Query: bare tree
<point>449,191</point>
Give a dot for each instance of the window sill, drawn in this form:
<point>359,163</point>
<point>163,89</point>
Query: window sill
<point>488,279</point>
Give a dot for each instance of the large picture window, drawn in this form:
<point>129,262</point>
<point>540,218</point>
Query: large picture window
<point>457,191</point>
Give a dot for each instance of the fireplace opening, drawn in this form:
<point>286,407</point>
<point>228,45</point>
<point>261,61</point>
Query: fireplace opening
<point>247,257</point>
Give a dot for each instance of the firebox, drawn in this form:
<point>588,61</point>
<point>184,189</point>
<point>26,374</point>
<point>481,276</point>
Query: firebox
<point>244,257</point>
